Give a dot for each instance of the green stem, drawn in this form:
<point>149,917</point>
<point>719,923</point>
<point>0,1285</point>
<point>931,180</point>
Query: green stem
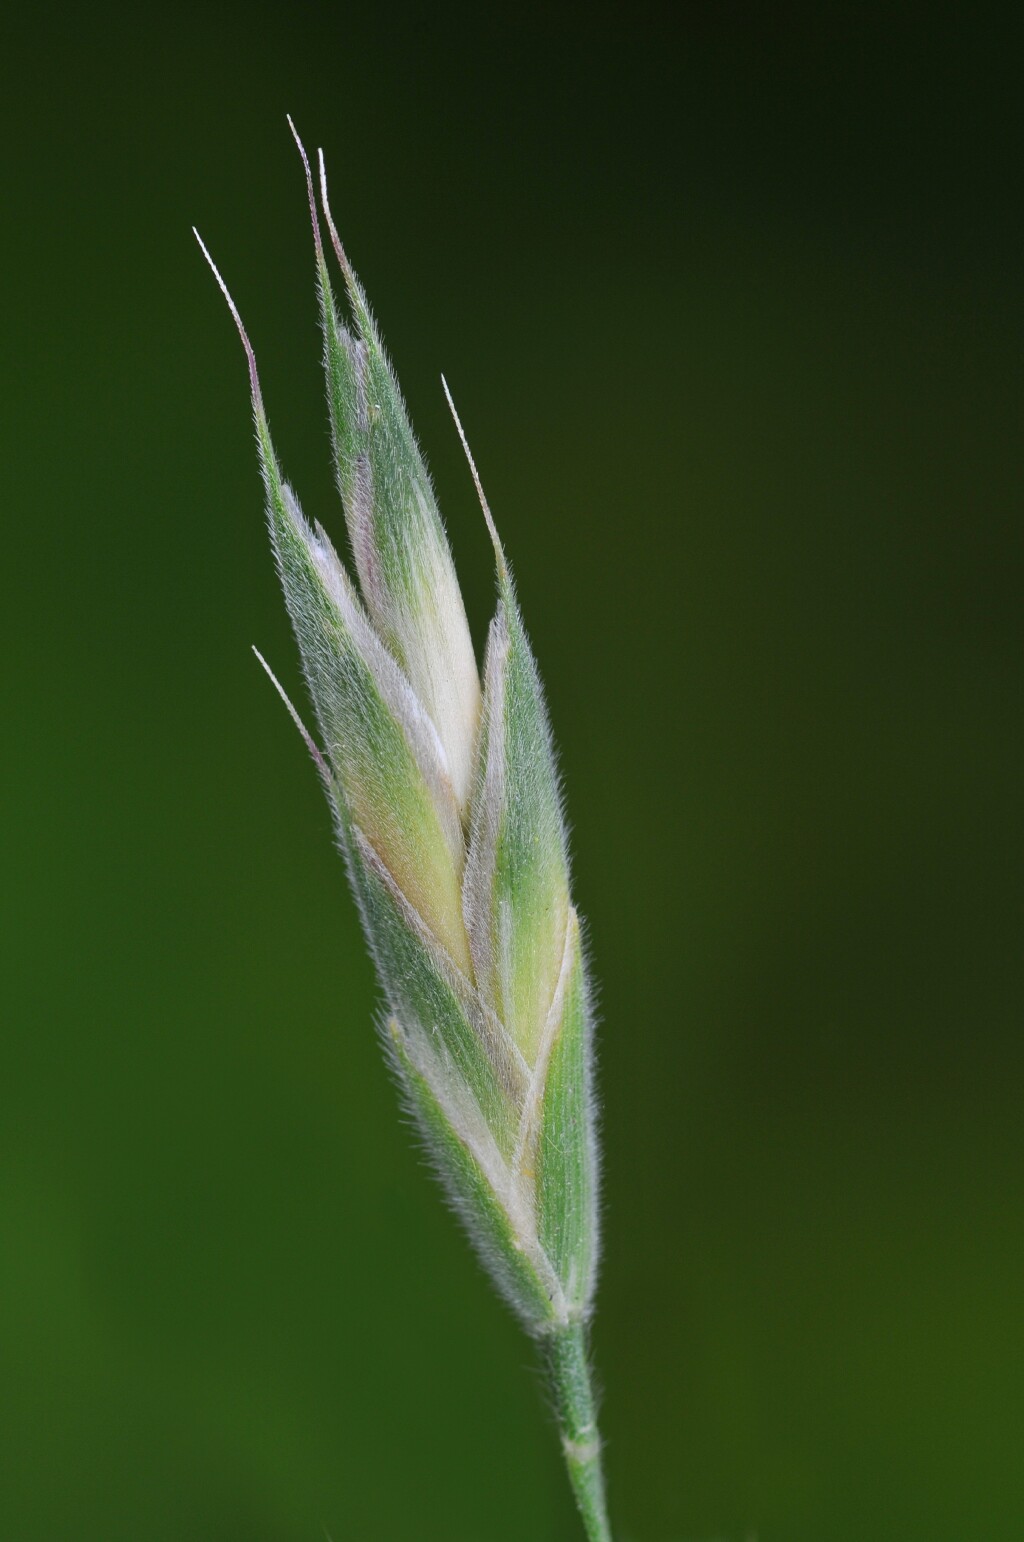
<point>569,1375</point>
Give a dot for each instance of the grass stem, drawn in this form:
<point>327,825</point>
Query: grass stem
<point>569,1374</point>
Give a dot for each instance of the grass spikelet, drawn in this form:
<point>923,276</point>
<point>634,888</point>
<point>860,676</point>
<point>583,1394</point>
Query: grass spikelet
<point>448,805</point>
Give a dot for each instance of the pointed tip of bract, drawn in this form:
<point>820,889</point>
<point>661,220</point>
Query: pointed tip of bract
<point>339,250</point>
<point>254,379</point>
<point>365,324</point>
<point>307,738</point>
<point>499,553</point>
<point>309,189</point>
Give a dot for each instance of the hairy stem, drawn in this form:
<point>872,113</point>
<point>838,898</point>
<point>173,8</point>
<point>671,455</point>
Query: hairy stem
<point>569,1376</point>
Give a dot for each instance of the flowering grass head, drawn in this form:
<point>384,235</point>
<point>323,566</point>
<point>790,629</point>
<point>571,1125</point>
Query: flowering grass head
<point>448,811</point>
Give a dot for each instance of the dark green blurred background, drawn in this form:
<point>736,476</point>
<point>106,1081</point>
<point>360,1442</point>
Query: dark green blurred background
<point>731,303</point>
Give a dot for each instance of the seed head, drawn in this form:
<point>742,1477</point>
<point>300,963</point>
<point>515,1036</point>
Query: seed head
<point>448,811</point>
